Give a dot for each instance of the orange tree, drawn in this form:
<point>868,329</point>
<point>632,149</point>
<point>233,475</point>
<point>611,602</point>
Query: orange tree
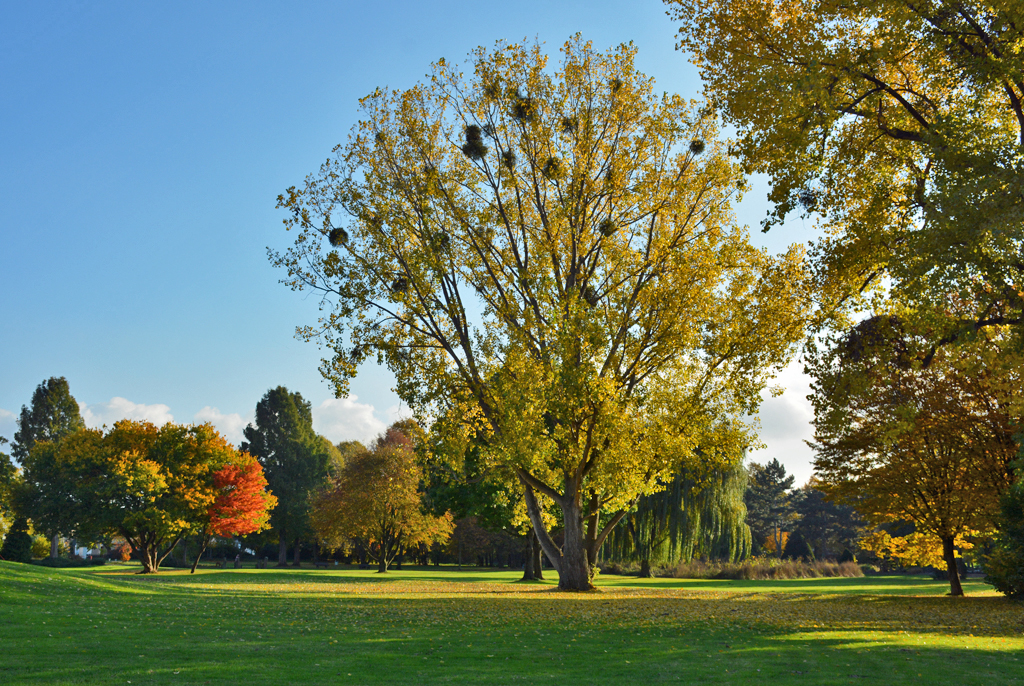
<point>376,500</point>
<point>900,441</point>
<point>155,485</point>
<point>549,255</point>
<point>242,502</point>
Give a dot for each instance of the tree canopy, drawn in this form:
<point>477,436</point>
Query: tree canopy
<point>900,123</point>
<point>900,441</point>
<point>52,414</point>
<point>548,253</point>
<point>151,485</point>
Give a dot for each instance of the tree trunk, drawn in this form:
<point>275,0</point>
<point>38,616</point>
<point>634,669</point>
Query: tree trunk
<point>54,546</point>
<point>528,574</point>
<point>574,571</point>
<point>538,557</point>
<point>948,552</point>
<point>298,551</point>
<point>202,549</point>
<point>282,552</point>
<point>148,556</point>
<point>645,569</point>
<point>571,561</point>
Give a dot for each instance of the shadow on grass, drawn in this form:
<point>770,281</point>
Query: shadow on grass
<point>599,638</point>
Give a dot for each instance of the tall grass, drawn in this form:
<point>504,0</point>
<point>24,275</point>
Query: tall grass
<point>763,568</point>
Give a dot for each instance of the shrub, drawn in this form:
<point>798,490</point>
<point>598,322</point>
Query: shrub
<point>1004,567</point>
<point>61,562</point>
<point>18,543</point>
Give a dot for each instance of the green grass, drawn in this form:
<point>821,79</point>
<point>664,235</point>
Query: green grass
<point>109,626</point>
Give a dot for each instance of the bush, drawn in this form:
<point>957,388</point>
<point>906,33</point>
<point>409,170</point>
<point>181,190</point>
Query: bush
<point>18,543</point>
<point>62,562</point>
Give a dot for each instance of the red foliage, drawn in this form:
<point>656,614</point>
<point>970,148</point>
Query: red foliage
<point>243,504</point>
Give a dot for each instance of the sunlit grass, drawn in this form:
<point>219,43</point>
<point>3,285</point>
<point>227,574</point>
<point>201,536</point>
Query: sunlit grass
<point>109,626</point>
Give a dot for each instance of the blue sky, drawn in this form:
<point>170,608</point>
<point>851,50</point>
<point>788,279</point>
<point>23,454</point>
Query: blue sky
<point>142,146</point>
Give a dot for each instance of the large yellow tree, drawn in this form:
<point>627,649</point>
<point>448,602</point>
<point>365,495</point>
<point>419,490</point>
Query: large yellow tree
<point>900,123</point>
<point>548,254</point>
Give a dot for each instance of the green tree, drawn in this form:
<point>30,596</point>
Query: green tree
<point>295,460</point>
<point>52,415</point>
<point>1004,567</point>
<point>900,123</point>
<point>900,441</point>
<point>550,255</point>
<point>696,515</point>
<point>8,483</point>
<point>17,545</point>
<point>770,512</point>
<point>827,529</point>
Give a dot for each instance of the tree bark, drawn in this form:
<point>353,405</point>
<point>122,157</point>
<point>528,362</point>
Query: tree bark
<point>538,558</point>
<point>282,552</point>
<point>298,551</point>
<point>645,569</point>
<point>54,546</point>
<point>949,553</point>
<point>574,572</point>
<point>202,549</point>
<point>528,573</point>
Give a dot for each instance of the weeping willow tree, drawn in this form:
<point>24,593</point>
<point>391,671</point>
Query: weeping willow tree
<point>694,516</point>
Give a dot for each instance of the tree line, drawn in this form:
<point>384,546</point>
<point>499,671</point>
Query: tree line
<point>546,257</point>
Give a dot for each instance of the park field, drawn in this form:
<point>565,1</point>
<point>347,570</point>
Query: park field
<point>107,625</point>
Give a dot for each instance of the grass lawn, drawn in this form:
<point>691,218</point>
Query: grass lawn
<point>108,626</point>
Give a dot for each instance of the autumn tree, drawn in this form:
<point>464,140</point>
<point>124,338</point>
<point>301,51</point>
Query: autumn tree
<point>548,253</point>
<point>900,123</point>
<point>152,486</point>
<point>376,499</point>
<point>52,415</point>
<point>900,441</point>
<point>241,505</point>
<point>295,460</point>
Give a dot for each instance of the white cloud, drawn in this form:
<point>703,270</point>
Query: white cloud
<point>230,425</point>
<point>100,414</point>
<point>345,419</point>
<point>8,425</point>
<point>786,423</point>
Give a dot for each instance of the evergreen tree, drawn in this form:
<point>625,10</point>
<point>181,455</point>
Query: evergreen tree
<point>52,415</point>
<point>825,528</point>
<point>769,509</point>
<point>295,460</point>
